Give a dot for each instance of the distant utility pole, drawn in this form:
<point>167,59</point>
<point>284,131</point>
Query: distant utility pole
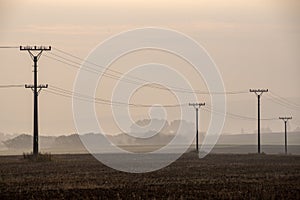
<point>197,107</point>
<point>258,93</point>
<point>36,90</point>
<point>285,120</point>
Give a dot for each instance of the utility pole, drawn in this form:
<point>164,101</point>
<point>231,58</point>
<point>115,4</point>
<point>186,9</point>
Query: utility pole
<point>258,93</point>
<point>36,90</point>
<point>197,107</point>
<point>285,120</point>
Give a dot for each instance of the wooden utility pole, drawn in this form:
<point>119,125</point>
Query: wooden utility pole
<point>36,90</point>
<point>258,93</point>
<point>197,107</point>
<point>285,120</point>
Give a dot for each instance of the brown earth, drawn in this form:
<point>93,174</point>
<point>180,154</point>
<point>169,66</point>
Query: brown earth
<point>216,176</point>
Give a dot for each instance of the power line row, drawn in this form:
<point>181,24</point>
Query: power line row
<point>114,74</point>
<point>70,94</point>
<point>110,73</point>
<point>83,97</point>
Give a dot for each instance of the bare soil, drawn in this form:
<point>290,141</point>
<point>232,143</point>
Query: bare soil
<point>217,176</point>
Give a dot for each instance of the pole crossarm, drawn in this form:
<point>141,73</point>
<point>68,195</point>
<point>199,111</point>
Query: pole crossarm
<point>285,118</point>
<point>196,105</point>
<point>41,86</point>
<point>35,48</point>
<point>258,92</point>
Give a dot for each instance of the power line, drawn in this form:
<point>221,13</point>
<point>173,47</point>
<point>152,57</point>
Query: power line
<point>106,102</point>
<point>208,108</point>
<point>285,100</point>
<point>78,65</point>
<point>69,96</point>
<point>81,97</point>
<point>117,75</point>
<point>68,93</point>
<point>124,79</point>
<point>276,101</point>
<point>130,79</point>
<point>99,100</point>
<point>11,86</point>
<point>92,70</point>
<point>99,66</point>
<point>106,70</point>
<point>9,47</point>
<point>285,103</point>
<point>281,101</point>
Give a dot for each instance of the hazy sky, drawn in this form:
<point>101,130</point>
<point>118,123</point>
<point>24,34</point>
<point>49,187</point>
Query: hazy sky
<point>255,44</point>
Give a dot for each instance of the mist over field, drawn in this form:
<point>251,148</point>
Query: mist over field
<point>272,143</point>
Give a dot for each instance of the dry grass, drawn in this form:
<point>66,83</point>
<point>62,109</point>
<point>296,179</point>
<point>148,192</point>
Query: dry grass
<point>40,157</point>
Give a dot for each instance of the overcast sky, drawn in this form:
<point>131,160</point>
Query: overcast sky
<point>255,44</point>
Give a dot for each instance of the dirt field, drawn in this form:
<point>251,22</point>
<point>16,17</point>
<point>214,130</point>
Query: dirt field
<point>214,177</point>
